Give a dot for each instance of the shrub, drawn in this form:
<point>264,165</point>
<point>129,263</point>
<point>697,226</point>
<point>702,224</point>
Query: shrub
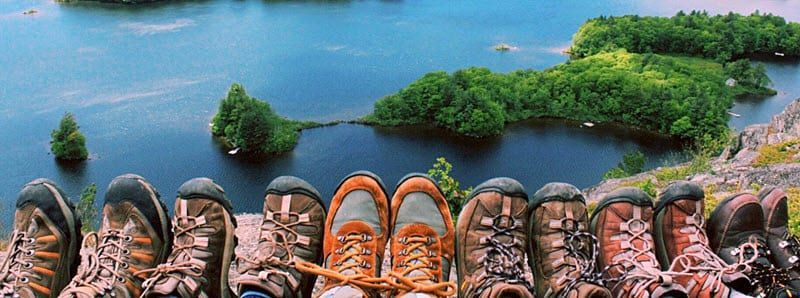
<point>85,209</point>
<point>632,163</point>
<point>68,143</point>
<point>778,153</point>
<point>440,172</point>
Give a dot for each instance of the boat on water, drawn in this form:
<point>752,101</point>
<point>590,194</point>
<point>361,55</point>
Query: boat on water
<point>235,151</point>
<point>779,54</point>
<point>30,11</point>
<point>734,114</point>
<point>588,124</point>
<point>504,47</point>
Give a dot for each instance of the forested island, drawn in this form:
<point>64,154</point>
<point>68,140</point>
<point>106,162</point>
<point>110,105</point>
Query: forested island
<point>604,81</point>
<point>720,37</point>
<point>681,96</point>
<point>250,124</point>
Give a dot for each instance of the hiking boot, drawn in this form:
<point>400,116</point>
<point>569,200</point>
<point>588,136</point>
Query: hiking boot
<point>43,252</point>
<point>623,224</point>
<point>356,231</point>
<point>736,234</point>
<point>491,241</point>
<point>203,247</point>
<point>682,245</point>
<point>784,246</point>
<point>291,229</point>
<point>422,245</point>
<point>135,235</point>
<point>562,251</point>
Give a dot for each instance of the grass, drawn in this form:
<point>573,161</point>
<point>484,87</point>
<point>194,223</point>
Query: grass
<point>778,153</point>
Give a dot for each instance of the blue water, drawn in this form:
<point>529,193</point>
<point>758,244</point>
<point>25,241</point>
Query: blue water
<point>144,81</point>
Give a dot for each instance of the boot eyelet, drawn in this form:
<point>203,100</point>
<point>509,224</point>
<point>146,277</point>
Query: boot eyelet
<point>128,238</point>
<point>30,253</point>
<point>31,240</point>
<point>125,265</point>
<point>121,279</point>
<point>24,279</point>
<point>28,265</point>
<point>126,251</point>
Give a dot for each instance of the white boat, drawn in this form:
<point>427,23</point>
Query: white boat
<point>588,124</point>
<point>779,54</point>
<point>734,114</point>
<point>234,151</point>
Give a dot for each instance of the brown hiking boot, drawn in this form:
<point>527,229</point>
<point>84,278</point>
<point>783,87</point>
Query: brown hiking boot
<point>784,246</point>
<point>623,224</point>
<point>736,234</point>
<point>491,241</point>
<point>203,247</point>
<point>422,245</point>
<point>682,245</point>
<point>43,252</point>
<point>135,235</point>
<point>356,232</point>
<point>563,252</point>
<point>291,229</point>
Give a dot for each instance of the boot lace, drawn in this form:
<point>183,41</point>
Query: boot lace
<point>763,275</point>
<point>631,270</point>
<point>104,262</point>
<point>582,248</point>
<point>279,236</point>
<point>352,258</point>
<point>793,243</point>
<point>180,260</point>
<point>698,257</point>
<point>19,262</point>
<point>417,261</point>
<point>504,260</point>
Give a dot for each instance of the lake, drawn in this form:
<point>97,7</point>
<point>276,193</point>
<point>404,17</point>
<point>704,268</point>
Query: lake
<point>144,81</point>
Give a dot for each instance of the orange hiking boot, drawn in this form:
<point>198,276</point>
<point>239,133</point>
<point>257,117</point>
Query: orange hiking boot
<point>203,245</point>
<point>42,255</point>
<point>682,245</point>
<point>291,229</point>
<point>356,232</point>
<point>784,246</point>
<point>422,245</point>
<point>135,235</point>
<point>623,224</point>
<point>563,254</point>
<point>491,241</point>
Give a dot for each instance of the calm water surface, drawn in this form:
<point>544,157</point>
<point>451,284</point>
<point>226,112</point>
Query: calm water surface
<point>144,81</point>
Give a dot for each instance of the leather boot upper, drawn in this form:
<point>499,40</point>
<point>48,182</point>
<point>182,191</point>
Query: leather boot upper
<point>561,247</point>
<point>491,241</point>
<point>42,255</point>
<point>784,246</point>
<point>623,224</point>
<point>203,245</point>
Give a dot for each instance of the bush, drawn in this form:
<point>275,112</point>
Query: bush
<point>250,124</point>
<point>85,209</point>
<point>777,153</point>
<point>68,143</point>
<point>451,188</point>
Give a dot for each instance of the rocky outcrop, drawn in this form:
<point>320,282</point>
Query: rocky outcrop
<point>733,170</point>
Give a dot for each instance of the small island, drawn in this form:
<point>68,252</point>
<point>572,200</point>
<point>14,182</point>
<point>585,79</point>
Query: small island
<point>249,125</point>
<point>30,11</point>
<point>504,47</point>
<point>68,143</point>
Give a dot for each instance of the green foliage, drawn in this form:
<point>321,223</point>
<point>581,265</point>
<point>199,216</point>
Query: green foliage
<point>450,186</point>
<point>250,124</point>
<point>681,96</point>
<point>632,163</point>
<point>752,78</point>
<point>85,209</point>
<point>777,153</point>
<point>68,143</point>
<point>720,37</point>
<point>793,194</point>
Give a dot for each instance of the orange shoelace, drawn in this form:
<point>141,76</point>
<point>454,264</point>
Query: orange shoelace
<point>418,260</point>
<point>353,259</point>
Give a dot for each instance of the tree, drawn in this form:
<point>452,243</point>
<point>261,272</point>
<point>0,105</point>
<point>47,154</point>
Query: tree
<point>85,209</point>
<point>68,143</point>
<point>632,163</point>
